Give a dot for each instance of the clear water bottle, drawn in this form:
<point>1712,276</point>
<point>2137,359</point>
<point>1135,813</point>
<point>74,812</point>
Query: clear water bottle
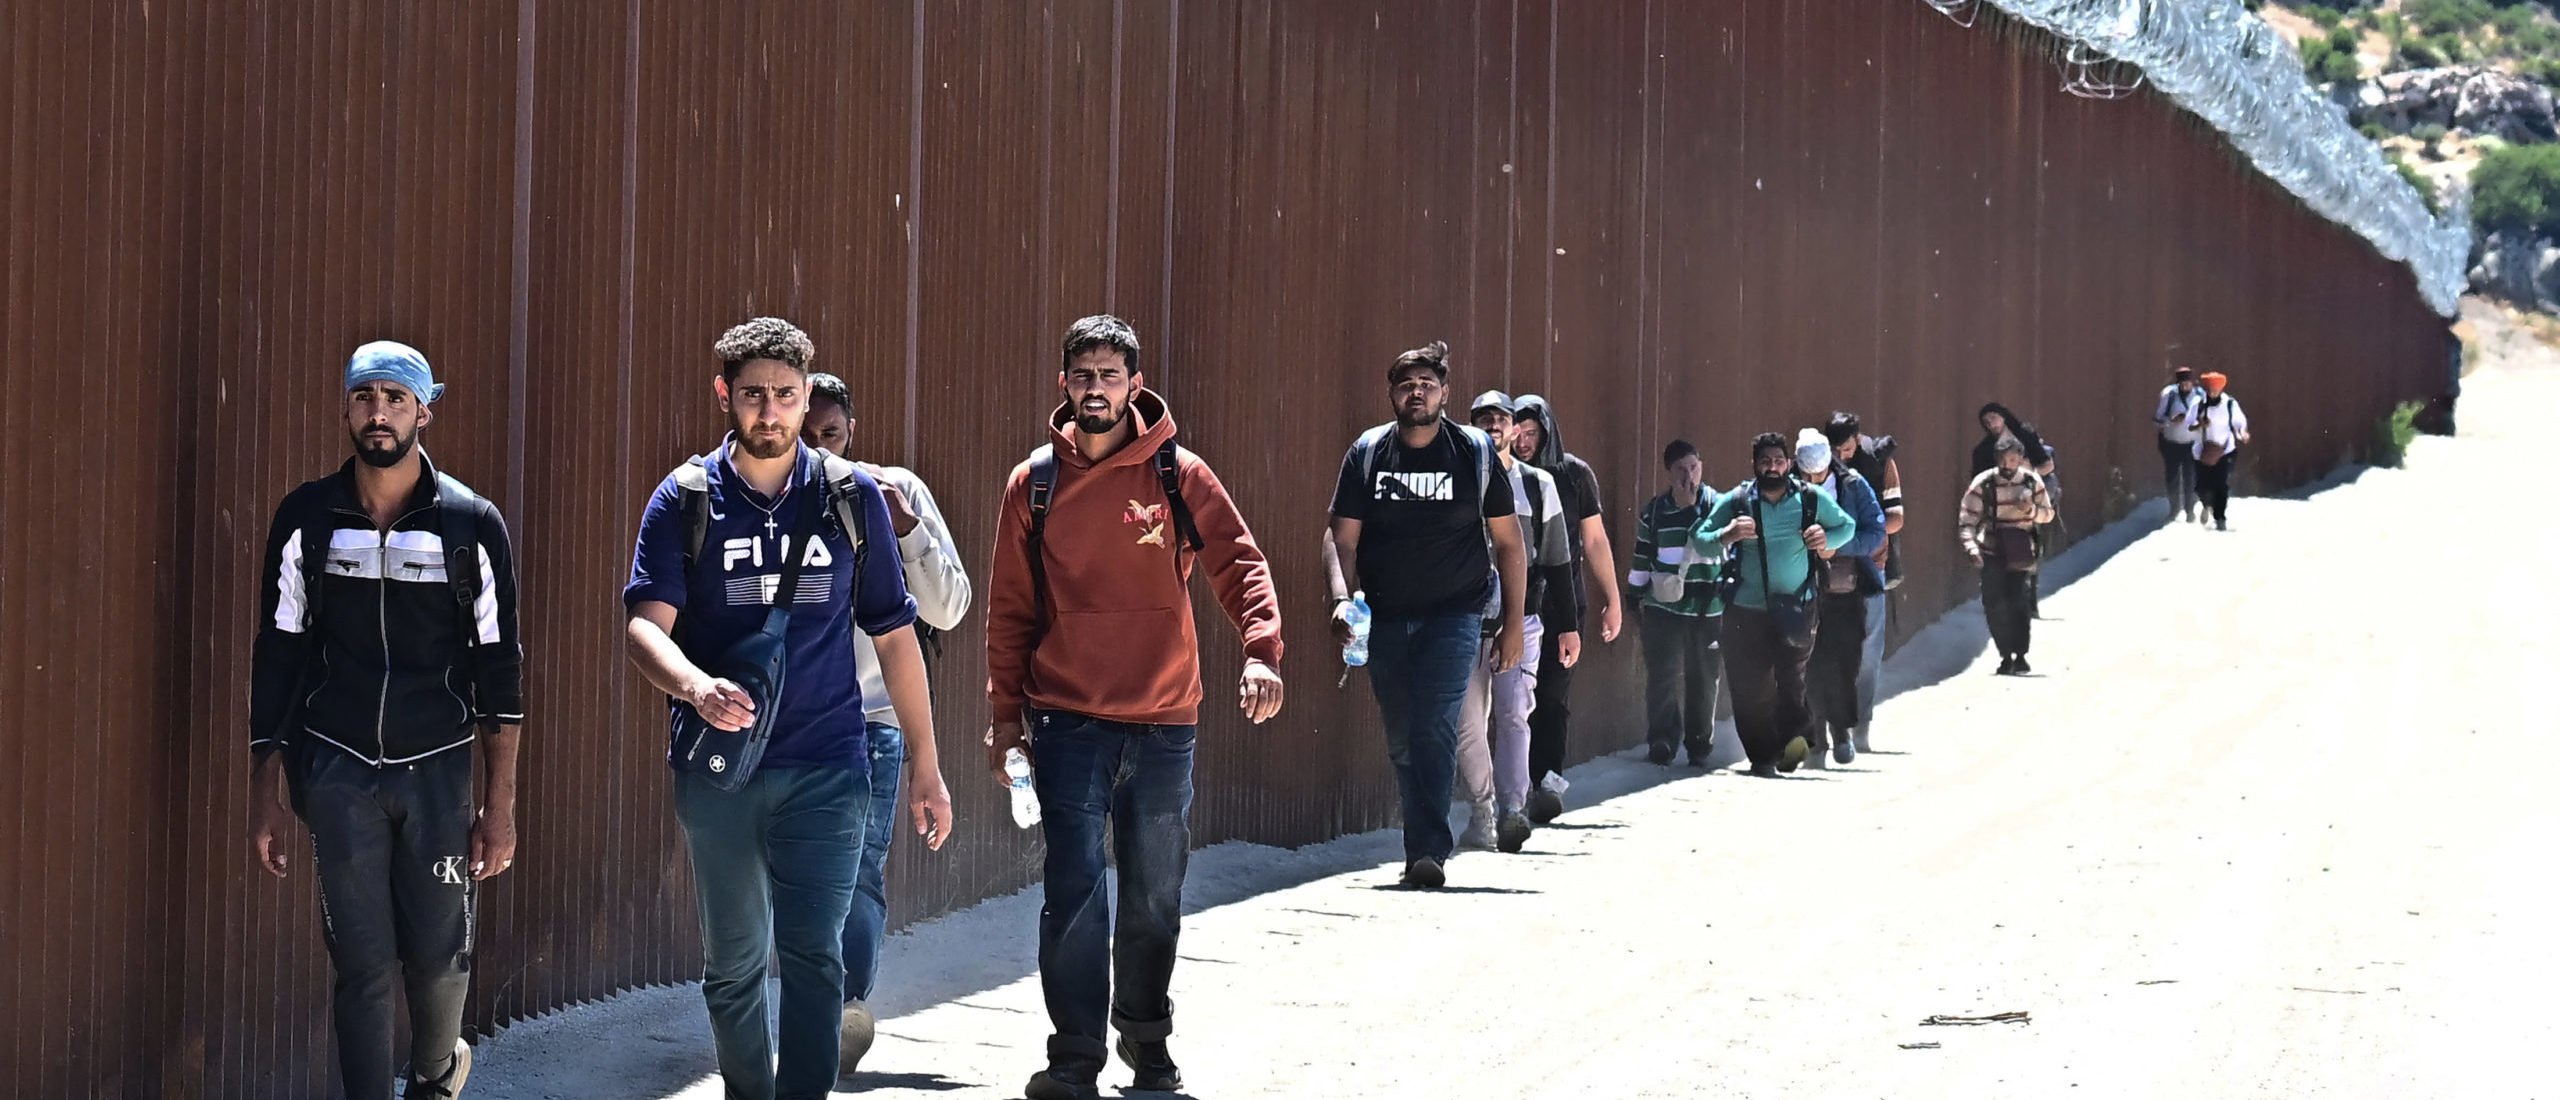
<point>1356,654</point>
<point>1017,774</point>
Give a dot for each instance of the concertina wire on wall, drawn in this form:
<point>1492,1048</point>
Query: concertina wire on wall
<point>2227,67</point>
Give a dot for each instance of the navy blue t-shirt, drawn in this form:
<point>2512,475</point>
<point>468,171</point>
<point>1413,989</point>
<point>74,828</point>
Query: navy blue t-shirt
<point>735,578</point>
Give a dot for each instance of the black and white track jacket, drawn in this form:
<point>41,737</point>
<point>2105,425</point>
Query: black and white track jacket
<point>386,645</point>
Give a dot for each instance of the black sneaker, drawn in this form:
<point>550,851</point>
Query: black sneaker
<point>1658,756</point>
<point>1425,873</point>
<point>1063,1082</point>
<point>1545,806</point>
<point>1764,771</point>
<point>1153,1065</point>
<point>1512,833</point>
<point>2008,664</point>
<point>2019,667</point>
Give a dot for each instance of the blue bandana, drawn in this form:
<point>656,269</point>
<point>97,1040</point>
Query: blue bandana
<point>391,361</point>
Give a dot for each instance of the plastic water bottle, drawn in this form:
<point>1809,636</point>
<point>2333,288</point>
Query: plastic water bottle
<point>1017,774</point>
<point>1356,653</point>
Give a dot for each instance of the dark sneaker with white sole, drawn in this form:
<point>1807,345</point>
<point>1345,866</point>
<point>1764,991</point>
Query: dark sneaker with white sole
<point>1545,806</point>
<point>1512,832</point>
<point>1152,1063</point>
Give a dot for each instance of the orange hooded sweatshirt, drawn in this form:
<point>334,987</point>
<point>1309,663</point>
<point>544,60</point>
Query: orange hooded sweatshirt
<point>1120,645</point>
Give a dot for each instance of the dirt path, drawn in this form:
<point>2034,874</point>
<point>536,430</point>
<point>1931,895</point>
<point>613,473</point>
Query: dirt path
<point>2272,821</point>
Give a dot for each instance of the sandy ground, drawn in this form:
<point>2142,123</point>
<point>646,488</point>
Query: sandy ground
<point>2266,824</point>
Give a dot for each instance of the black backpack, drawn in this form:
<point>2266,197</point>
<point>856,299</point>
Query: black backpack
<point>457,523</point>
<point>1731,582</point>
<point>1044,485</point>
<point>693,494</point>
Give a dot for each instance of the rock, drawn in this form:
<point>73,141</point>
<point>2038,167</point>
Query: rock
<point>2482,101</point>
<point>2509,106</point>
<point>2519,268</point>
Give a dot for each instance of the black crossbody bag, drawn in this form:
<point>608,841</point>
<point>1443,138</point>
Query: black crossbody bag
<point>727,758</point>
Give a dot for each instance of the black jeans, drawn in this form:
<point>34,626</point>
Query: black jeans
<point>1547,718</point>
<point>1831,677</point>
<point>2178,469</point>
<point>2213,485</point>
<point>1133,784</point>
<point>2004,608</point>
<point>1767,681</point>
<point>393,849</point>
<point>1681,668</point>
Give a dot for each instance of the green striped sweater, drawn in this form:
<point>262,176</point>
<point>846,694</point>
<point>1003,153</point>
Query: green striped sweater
<point>1663,543</point>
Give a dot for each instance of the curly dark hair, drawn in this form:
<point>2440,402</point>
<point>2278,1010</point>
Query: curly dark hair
<point>1766,440</point>
<point>764,338</point>
<point>1099,332</point>
<point>1433,356</point>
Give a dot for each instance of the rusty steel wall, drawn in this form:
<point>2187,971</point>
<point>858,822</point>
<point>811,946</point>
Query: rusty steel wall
<point>1674,219</point>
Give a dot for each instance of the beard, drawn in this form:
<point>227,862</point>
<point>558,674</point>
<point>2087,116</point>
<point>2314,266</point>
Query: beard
<point>1413,416</point>
<point>1101,423</point>
<point>764,446</point>
<point>1769,483</point>
<point>373,452</point>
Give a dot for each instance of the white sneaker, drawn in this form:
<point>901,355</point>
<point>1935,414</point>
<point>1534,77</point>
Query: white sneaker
<point>1479,836</point>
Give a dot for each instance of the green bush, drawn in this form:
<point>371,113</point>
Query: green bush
<point>2447,16</point>
<point>2327,17</point>
<point>2518,188</point>
<point>2420,53</point>
<point>2425,187</point>
<point>2393,433</point>
<point>2428,133</point>
<point>2374,131</point>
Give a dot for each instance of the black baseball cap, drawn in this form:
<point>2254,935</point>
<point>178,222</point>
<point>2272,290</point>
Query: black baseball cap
<point>1494,399</point>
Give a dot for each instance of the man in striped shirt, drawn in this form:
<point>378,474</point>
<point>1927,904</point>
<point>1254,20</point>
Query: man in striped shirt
<point>1997,523</point>
<point>1678,605</point>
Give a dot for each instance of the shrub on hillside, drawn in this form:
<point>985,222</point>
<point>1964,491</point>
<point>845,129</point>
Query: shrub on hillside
<point>2446,16</point>
<point>2518,188</point>
<point>2425,187</point>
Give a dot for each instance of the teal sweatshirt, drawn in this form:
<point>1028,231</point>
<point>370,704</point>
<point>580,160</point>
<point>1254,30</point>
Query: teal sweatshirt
<point>1781,525</point>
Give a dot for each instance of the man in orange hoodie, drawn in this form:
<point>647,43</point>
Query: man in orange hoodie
<point>1090,644</point>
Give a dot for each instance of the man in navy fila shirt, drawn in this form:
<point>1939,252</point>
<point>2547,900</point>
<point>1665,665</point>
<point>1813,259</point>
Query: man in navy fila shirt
<point>774,861</point>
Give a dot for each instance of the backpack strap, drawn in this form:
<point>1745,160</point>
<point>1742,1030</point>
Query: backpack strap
<point>1372,446</point>
<point>1169,472</point>
<point>458,513</point>
<point>314,530</point>
<point>1044,487</point>
<point>693,495</point>
<point>844,501</point>
<point>458,510</point>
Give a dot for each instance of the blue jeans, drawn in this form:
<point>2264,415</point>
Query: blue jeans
<point>869,919</point>
<point>773,869</point>
<point>1136,781</point>
<point>1871,662</point>
<point>1419,669</point>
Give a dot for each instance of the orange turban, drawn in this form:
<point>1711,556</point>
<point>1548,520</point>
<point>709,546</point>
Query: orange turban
<point>2214,381</point>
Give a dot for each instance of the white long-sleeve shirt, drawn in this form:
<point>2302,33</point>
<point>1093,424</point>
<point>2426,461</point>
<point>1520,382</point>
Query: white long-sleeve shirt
<point>934,577</point>
<point>2221,422</point>
<point>2172,412</point>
